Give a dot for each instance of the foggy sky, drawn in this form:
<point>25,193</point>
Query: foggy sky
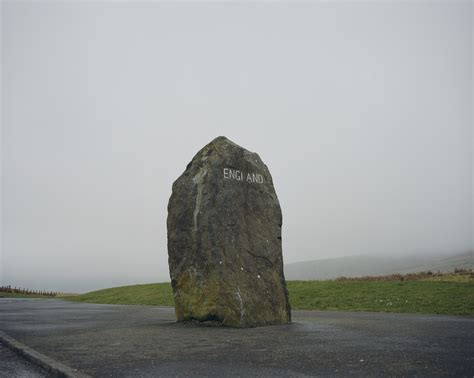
<point>362,112</point>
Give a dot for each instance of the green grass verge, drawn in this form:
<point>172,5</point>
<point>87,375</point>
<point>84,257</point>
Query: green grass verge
<point>427,297</point>
<point>15,295</point>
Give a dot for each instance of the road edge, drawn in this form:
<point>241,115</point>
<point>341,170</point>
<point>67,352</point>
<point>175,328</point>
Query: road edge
<point>53,367</point>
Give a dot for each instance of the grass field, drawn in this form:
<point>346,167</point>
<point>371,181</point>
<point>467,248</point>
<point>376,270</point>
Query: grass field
<point>427,297</point>
<point>418,296</point>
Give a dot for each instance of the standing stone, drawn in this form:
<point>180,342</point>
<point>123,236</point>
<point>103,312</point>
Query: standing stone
<point>224,240</point>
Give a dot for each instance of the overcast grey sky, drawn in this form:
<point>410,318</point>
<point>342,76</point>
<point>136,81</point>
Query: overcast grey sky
<point>362,112</point>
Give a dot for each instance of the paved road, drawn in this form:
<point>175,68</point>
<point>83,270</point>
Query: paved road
<point>14,366</point>
<point>120,341</point>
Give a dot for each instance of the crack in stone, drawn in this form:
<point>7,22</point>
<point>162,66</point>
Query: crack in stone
<point>269,263</point>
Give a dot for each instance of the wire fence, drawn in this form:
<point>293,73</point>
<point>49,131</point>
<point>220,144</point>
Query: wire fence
<point>39,293</point>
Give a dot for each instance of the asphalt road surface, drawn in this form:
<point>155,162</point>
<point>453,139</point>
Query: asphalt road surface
<point>14,366</point>
<point>144,341</point>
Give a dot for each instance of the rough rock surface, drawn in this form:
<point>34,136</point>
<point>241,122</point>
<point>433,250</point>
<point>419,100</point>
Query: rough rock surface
<point>224,240</point>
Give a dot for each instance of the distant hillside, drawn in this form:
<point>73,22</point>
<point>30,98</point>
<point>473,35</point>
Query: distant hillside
<point>447,264</point>
<point>356,266</point>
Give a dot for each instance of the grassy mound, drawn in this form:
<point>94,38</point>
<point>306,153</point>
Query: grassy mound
<point>418,296</point>
<point>158,294</point>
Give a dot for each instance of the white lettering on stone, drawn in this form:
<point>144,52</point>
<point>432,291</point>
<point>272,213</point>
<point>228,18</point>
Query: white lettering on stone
<point>233,174</point>
<point>237,175</point>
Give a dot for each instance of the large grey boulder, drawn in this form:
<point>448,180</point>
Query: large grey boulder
<point>224,240</point>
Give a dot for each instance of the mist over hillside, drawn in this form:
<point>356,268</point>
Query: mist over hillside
<point>354,266</point>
